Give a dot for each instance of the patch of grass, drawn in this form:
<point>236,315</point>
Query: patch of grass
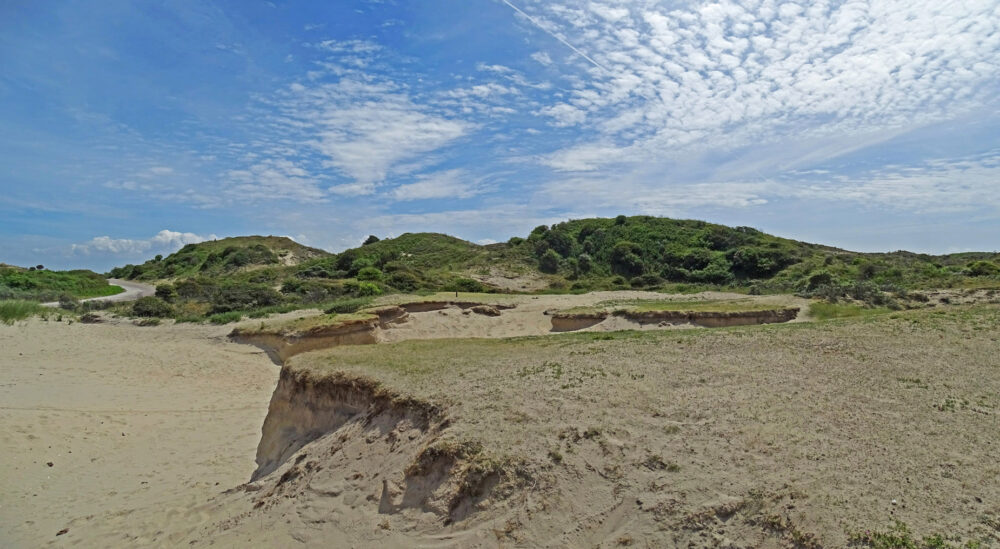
<point>12,310</point>
<point>349,305</point>
<point>825,311</point>
<point>226,318</point>
<point>306,323</point>
<point>899,536</point>
<point>45,285</point>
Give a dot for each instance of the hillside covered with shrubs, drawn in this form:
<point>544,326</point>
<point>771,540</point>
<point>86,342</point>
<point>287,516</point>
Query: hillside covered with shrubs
<point>228,278</point>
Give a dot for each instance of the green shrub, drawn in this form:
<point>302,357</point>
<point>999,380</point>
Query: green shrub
<point>549,262</point>
<point>465,285</point>
<point>816,280</point>
<point>368,289</point>
<point>151,306</point>
<point>226,318</point>
<point>370,274</point>
<point>235,297</point>
<point>166,292</point>
<point>361,263</point>
<point>646,281</point>
<point>404,281</point>
<point>983,268</point>
<point>625,259</point>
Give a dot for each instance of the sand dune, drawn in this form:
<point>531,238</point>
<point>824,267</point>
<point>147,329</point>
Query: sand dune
<point>127,417</point>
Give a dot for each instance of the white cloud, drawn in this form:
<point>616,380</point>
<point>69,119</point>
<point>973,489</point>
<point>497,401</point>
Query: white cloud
<point>954,185</point>
<point>164,241</point>
<point>542,57</point>
<point>937,186</point>
<point>272,179</point>
<point>725,74</point>
<point>447,184</point>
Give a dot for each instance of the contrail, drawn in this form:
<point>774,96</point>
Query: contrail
<point>553,35</point>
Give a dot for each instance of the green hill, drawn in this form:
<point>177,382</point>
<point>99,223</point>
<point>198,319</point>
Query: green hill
<point>44,285</point>
<point>223,257</point>
<point>257,273</point>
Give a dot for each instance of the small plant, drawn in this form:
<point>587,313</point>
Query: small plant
<point>144,322</point>
<point>898,536</point>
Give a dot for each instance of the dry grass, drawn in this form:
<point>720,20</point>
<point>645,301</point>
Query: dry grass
<point>644,306</point>
<point>805,426</point>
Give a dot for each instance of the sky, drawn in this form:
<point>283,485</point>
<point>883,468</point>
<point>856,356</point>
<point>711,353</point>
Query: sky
<point>129,129</point>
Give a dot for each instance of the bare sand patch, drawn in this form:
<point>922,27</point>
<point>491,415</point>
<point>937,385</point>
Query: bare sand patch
<point>127,417</point>
<point>755,436</point>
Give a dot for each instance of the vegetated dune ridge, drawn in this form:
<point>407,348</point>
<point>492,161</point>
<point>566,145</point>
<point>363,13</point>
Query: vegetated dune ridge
<point>768,436</point>
<point>507,316</point>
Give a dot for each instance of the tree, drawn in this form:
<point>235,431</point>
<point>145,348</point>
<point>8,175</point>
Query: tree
<point>370,240</point>
<point>625,259</point>
<point>549,263</point>
<point>40,267</point>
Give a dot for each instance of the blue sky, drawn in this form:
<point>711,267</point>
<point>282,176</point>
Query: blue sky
<point>132,128</point>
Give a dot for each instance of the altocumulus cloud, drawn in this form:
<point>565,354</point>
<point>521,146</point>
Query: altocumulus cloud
<point>728,74</point>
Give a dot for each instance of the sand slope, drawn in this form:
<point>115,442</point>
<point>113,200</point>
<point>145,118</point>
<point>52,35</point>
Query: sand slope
<point>127,416</point>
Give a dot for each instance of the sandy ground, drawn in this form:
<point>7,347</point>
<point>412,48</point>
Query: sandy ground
<point>758,436</point>
<point>98,419</point>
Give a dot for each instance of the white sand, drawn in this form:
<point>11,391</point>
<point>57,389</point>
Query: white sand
<point>127,416</point>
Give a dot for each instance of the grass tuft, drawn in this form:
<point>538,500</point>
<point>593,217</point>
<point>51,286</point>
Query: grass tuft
<point>12,310</point>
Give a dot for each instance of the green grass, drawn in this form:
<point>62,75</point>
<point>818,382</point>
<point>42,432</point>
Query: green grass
<point>13,310</point>
<point>307,323</point>
<point>226,318</point>
<point>899,536</point>
<point>825,311</point>
<point>666,255</point>
<point>44,285</point>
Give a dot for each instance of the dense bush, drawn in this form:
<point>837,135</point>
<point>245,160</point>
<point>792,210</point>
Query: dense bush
<point>236,297</point>
<point>549,262</point>
<point>368,289</point>
<point>404,281</point>
<point>166,292</point>
<point>465,285</point>
<point>370,274</point>
<point>151,307</point>
<point>983,268</point>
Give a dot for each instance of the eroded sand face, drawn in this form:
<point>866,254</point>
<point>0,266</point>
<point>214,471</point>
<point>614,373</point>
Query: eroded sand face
<point>127,416</point>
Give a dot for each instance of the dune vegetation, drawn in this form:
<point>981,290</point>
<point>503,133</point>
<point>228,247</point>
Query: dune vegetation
<point>241,277</point>
<point>40,284</point>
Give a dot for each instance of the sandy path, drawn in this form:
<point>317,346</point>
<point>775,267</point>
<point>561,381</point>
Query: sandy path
<point>133,291</point>
<point>127,417</point>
